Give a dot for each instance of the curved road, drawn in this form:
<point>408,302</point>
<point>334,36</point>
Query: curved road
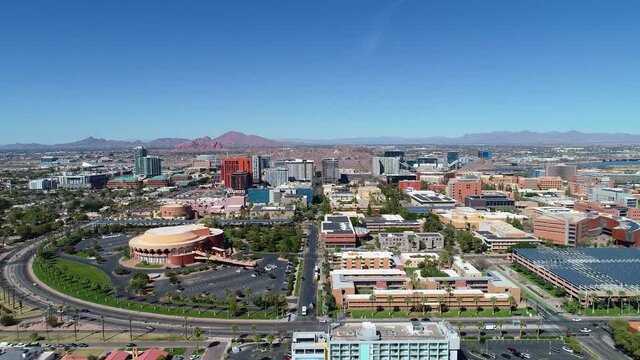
<point>17,273</point>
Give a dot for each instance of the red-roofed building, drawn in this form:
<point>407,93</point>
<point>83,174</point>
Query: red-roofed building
<point>118,355</point>
<point>153,354</point>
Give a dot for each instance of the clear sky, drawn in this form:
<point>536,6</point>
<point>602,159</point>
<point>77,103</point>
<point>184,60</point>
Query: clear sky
<point>315,69</point>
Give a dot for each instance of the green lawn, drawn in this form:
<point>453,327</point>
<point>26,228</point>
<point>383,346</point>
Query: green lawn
<point>89,283</point>
<point>613,311</point>
<point>299,277</point>
<point>81,254</point>
<point>176,351</point>
<point>384,314</point>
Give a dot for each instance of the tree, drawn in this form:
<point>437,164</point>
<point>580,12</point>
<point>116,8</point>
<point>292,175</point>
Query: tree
<point>197,332</point>
<point>372,299</point>
<point>389,301</point>
<point>494,300</point>
<point>593,298</point>
<point>441,303</point>
<point>234,329</point>
<point>476,299</point>
<point>271,339</point>
<point>512,303</point>
<point>480,326</point>
<point>621,295</point>
<point>8,320</point>
<point>609,295</point>
<point>254,332</point>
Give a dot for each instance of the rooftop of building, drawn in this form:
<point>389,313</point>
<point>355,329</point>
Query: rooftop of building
<point>365,254</point>
<point>337,224</point>
<point>412,331</point>
<point>273,208</point>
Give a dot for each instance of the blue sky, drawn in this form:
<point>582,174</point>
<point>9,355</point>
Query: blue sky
<point>315,69</point>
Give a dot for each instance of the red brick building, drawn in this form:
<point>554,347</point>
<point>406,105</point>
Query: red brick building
<point>231,165</point>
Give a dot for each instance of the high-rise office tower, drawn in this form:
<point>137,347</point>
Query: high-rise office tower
<point>151,166</point>
<point>139,153</point>
<point>276,176</point>
<point>452,156</point>
<point>385,165</point>
<point>256,169</point>
<point>300,170</point>
<point>231,165</point>
<point>330,172</point>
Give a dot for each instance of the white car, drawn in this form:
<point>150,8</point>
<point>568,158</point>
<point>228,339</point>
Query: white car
<point>239,270</point>
<point>576,319</point>
<point>567,349</point>
<point>585,330</point>
<point>525,355</point>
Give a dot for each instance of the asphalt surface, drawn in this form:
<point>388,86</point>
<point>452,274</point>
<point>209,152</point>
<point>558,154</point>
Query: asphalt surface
<point>308,289</point>
<point>537,349</point>
<point>16,274</point>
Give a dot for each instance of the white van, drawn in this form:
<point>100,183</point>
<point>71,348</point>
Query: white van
<point>304,311</point>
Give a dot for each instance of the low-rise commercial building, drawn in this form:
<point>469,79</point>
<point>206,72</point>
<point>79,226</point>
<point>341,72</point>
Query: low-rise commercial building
<point>499,236</point>
<point>273,211</point>
<point>425,201</point>
<point>364,260</point>
<point>561,226</point>
<point>410,241</point>
<point>489,202</point>
<point>337,231</point>
<point>616,195</point>
<point>460,187</point>
<point>391,222</point>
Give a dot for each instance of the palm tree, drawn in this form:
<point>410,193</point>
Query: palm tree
<point>254,331</point>
<point>441,303</point>
<point>480,326</point>
<point>500,325</point>
<point>459,300</point>
<point>389,301</point>
<point>523,325</point>
<point>609,295</point>
<point>270,339</point>
<point>234,329</point>
<point>494,300</point>
<point>622,294</point>
<point>593,298</point>
<point>407,301</point>
<point>539,323</point>
<point>476,299</point>
<point>512,303</point>
<point>372,299</point>
<point>637,300</point>
<point>197,332</point>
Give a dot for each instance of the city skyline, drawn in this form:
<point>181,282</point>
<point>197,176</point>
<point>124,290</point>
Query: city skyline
<point>125,70</point>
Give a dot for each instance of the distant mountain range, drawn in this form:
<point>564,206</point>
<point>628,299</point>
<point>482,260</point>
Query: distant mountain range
<point>238,139</point>
<point>228,139</point>
<point>492,138</point>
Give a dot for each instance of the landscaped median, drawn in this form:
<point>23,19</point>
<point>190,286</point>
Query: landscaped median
<point>485,313</point>
<point>88,283</point>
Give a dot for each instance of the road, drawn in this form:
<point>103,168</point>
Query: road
<point>308,290</point>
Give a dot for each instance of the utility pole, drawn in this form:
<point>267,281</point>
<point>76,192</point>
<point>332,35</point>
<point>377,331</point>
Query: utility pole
<point>130,330</point>
<point>186,335</point>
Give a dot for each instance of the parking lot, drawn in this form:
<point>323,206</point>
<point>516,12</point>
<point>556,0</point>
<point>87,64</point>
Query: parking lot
<point>536,349</point>
<point>233,278</point>
<point>211,282</point>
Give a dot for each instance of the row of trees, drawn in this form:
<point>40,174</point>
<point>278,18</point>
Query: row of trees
<point>625,338</point>
<point>282,238</point>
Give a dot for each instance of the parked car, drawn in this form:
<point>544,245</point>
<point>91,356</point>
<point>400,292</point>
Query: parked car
<point>585,330</point>
<point>567,349</point>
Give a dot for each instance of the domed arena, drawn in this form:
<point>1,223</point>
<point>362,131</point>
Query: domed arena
<point>177,245</point>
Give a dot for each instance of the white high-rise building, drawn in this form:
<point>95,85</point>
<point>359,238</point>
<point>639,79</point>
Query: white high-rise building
<point>385,165</point>
<point>256,168</point>
<point>276,176</point>
<point>300,170</point>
